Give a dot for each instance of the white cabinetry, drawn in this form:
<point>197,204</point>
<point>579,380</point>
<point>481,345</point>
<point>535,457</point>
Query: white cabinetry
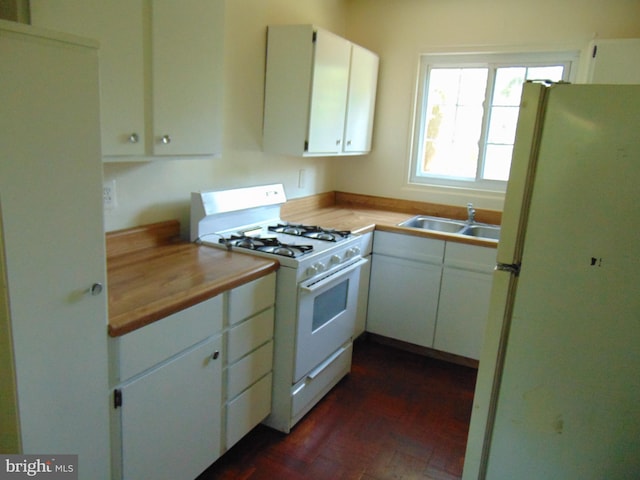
<point>171,416</point>
<point>614,61</point>
<point>404,288</point>
<point>366,247</point>
<point>249,357</point>
<point>169,397</point>
<point>53,345</point>
<point>319,93</point>
<point>160,68</point>
<point>430,292</point>
<point>464,299</point>
<point>189,386</point>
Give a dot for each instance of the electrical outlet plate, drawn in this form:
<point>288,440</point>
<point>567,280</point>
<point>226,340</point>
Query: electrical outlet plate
<point>109,194</point>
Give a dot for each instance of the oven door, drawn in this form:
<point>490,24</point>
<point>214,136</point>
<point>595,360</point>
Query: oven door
<point>326,316</point>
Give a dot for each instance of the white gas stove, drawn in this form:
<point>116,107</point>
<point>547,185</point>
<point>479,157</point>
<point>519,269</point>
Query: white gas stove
<point>316,292</point>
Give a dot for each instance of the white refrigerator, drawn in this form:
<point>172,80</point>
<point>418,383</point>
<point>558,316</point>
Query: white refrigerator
<point>558,389</point>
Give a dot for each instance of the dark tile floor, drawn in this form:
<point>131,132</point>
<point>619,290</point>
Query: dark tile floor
<point>397,415</point>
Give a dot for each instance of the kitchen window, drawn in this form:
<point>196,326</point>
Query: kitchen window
<point>466,114</point>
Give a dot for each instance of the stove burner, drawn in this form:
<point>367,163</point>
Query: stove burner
<point>311,231</point>
<point>268,245</point>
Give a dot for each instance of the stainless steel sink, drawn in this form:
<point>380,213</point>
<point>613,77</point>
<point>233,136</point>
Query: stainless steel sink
<point>482,231</point>
<point>456,227</point>
<point>436,224</point>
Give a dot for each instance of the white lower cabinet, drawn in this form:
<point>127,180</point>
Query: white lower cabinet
<point>171,416</point>
<point>404,287</point>
<point>464,299</point>
<point>430,292</point>
<point>189,386</point>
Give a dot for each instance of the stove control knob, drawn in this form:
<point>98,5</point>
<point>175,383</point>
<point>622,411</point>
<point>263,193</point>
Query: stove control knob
<point>321,267</point>
<point>312,270</point>
<point>352,252</point>
<point>335,259</point>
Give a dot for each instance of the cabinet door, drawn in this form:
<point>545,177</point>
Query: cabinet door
<point>118,26</point>
<point>50,181</point>
<point>363,81</point>
<point>462,312</point>
<point>615,61</point>
<point>171,417</point>
<point>187,57</point>
<point>464,299</point>
<point>329,93</point>
<point>403,299</point>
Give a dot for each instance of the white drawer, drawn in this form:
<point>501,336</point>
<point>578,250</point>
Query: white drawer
<point>249,335</point>
<point>411,247</point>
<point>248,410</point>
<point>309,390</point>
<point>154,343</point>
<point>470,257</point>
<point>251,298</point>
<point>249,369</point>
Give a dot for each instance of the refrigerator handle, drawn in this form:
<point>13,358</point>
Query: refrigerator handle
<point>513,268</point>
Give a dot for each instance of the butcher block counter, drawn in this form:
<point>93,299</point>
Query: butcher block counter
<point>151,274</point>
<point>365,213</point>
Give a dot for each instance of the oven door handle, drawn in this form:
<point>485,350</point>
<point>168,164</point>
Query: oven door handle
<point>323,366</point>
<point>313,286</point>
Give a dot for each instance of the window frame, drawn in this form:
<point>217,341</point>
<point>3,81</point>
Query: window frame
<point>491,60</point>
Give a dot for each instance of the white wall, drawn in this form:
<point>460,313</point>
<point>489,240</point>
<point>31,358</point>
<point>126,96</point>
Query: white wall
<point>156,191</point>
<point>399,30</point>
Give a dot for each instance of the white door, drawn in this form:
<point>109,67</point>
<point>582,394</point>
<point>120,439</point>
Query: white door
<point>118,26</point>
<point>329,93</point>
<point>615,61</point>
<point>187,62</point>
<point>403,299</point>
<point>51,202</point>
<point>363,81</point>
<point>171,417</point>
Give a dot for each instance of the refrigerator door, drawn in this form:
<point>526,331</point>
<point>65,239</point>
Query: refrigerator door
<point>568,391</point>
<point>513,228</point>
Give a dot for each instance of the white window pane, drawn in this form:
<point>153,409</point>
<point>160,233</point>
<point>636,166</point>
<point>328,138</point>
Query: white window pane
<point>473,84</point>
<point>545,73</point>
<point>497,162</point>
<point>453,121</point>
<point>502,125</point>
<point>508,86</point>
<point>444,84</point>
<point>448,159</point>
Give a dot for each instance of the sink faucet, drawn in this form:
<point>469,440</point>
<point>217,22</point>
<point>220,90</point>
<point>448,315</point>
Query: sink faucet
<point>471,213</point>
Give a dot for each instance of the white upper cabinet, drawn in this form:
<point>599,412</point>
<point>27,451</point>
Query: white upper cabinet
<point>160,71</point>
<point>187,58</point>
<point>319,93</point>
<point>118,25</point>
<point>361,101</point>
<point>328,106</point>
<point>614,61</point>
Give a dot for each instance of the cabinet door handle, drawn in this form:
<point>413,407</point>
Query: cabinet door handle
<point>134,138</point>
<point>166,139</point>
<point>338,142</point>
<point>215,355</point>
<point>95,289</point>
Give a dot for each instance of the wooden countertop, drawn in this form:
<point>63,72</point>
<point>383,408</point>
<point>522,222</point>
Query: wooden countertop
<point>362,214</point>
<point>158,277</point>
<point>151,275</point>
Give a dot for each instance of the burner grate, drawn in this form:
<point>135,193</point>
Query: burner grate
<point>311,231</point>
<point>268,245</point>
